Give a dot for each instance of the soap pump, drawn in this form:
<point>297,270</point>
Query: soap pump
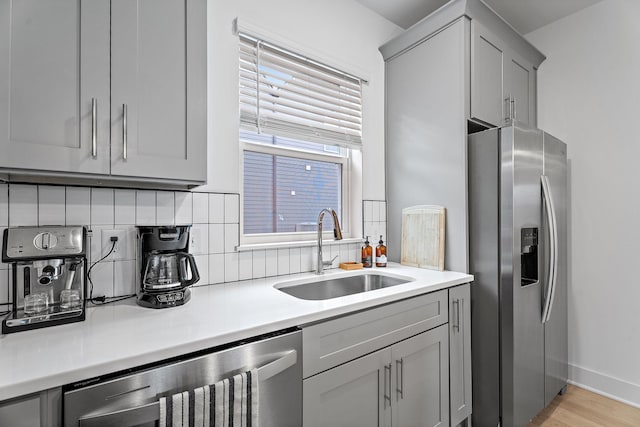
<point>367,254</point>
<point>381,254</point>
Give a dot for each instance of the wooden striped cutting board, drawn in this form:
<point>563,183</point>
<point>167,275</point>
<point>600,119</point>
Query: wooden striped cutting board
<point>423,237</point>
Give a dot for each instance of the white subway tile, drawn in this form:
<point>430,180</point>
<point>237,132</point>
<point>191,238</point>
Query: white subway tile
<point>259,266</point>
<point>383,211</point>
<point>245,267</point>
<point>165,214</point>
<point>99,246</point>
<point>102,206</point>
<point>375,211</point>
<point>344,253</point>
<point>23,205</point>
<point>202,263</point>
<point>231,237</point>
<point>200,208</point>
<point>78,206</point>
<point>231,208</point>
<point>199,235</point>
<point>354,253</point>
<point>216,208</point>
<point>51,202</point>
<point>102,278</point>
<point>125,212</point>
<point>283,261</point>
<point>369,230</point>
<point>4,205</point>
<point>184,208</point>
<point>231,266</point>
<point>216,268</point>
<point>216,238</point>
<point>271,262</point>
<point>294,260</point>
<point>368,210</point>
<point>334,251</point>
<point>307,255</point>
<point>145,207</point>
<point>124,280</point>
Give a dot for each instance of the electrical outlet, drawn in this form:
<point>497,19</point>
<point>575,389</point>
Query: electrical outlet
<point>121,250</point>
<point>195,244</point>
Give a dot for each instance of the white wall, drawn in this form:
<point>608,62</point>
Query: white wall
<point>342,32</point>
<point>589,96</point>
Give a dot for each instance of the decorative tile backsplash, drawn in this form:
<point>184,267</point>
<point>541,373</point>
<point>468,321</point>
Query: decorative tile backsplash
<point>214,235</point>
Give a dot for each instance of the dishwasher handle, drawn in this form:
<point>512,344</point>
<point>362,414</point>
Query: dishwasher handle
<point>151,412</point>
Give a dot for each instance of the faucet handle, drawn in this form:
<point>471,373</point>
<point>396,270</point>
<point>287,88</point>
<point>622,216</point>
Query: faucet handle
<point>328,263</point>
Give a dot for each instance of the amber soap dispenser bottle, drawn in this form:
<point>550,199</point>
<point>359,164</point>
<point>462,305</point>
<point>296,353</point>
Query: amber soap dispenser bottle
<point>367,254</point>
<point>381,254</point>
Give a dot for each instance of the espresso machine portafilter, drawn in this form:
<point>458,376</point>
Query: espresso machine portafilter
<point>48,276</point>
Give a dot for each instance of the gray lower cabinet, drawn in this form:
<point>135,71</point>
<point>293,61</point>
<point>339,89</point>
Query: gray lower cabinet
<point>350,395</point>
<point>43,409</point>
<point>460,353</point>
<point>105,88</point>
<point>405,384</point>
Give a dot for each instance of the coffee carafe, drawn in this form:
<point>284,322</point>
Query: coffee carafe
<point>48,276</point>
<point>165,268</point>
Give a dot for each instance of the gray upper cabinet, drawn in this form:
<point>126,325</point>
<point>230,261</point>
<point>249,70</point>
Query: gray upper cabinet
<point>54,90</point>
<point>158,121</point>
<point>69,70</point>
<point>460,353</point>
<point>502,82</point>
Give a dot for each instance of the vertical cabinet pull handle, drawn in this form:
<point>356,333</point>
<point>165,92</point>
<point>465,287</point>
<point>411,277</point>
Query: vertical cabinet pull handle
<point>124,131</point>
<point>513,103</point>
<point>94,127</point>
<point>456,309</point>
<point>507,111</point>
<point>387,386</point>
<point>399,379</point>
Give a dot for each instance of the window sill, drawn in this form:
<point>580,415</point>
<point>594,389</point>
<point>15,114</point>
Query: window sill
<point>298,244</point>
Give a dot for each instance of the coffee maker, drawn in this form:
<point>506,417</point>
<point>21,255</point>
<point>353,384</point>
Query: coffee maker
<point>48,276</point>
<point>165,269</point>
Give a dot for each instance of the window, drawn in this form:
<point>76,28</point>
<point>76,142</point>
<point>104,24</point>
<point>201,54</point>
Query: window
<point>299,121</point>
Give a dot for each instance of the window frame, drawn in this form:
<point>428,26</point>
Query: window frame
<point>346,191</point>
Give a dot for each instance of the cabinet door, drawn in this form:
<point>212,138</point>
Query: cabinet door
<point>460,353</point>
<point>350,395</point>
<point>158,72</point>
<point>54,69</point>
<point>421,380</point>
<point>520,80</point>
<point>487,76</point>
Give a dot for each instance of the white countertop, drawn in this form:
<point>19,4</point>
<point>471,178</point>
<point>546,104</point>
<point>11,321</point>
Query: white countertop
<point>123,335</point>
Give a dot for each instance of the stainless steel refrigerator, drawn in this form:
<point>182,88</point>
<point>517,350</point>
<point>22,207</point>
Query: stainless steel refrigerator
<point>518,255</point>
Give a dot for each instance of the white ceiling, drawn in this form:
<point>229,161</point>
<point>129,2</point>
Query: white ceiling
<point>524,15</point>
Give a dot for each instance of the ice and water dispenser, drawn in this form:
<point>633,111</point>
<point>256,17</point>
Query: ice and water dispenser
<point>528,256</point>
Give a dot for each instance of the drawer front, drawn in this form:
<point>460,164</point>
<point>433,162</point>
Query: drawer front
<point>337,341</point>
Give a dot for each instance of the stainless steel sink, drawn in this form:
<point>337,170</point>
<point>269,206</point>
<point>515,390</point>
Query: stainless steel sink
<point>340,286</point>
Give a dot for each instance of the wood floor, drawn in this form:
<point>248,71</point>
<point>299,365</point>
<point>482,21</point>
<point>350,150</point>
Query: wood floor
<point>581,408</point>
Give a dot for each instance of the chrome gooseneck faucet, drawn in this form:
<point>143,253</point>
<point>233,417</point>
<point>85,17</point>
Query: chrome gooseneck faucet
<point>337,233</point>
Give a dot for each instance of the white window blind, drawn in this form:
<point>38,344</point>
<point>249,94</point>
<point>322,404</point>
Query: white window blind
<point>288,95</point>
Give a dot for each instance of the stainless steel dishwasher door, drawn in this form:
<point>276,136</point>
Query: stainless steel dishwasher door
<point>132,399</point>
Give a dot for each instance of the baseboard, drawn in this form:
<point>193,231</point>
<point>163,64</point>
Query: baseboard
<point>606,385</point>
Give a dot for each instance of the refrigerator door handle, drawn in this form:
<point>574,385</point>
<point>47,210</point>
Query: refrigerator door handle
<point>553,250</point>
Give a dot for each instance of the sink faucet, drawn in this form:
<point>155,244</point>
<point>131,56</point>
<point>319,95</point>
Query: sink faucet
<point>337,233</point>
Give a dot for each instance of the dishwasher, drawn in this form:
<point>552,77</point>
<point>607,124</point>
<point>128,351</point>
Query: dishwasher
<point>131,398</point>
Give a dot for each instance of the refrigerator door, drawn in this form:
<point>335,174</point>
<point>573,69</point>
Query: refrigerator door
<point>522,331</point>
<point>555,331</point>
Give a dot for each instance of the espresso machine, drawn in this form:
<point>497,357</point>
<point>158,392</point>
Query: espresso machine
<point>48,276</point>
<point>165,269</point>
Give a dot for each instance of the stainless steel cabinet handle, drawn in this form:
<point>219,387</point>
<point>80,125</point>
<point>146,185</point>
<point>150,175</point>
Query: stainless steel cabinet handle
<point>94,127</point>
<point>124,131</point>
<point>513,113</point>
<point>456,306</point>
<point>387,385</point>
<point>400,379</point>
<point>553,248</point>
<point>151,412</point>
<point>507,112</point>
